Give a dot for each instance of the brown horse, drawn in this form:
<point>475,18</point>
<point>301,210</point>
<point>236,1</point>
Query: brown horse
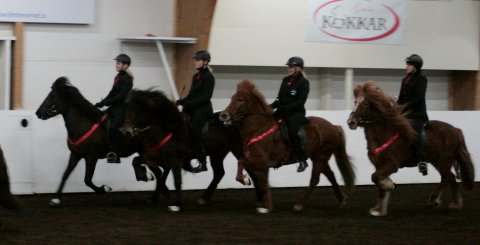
<point>264,147</point>
<point>7,200</point>
<point>389,141</point>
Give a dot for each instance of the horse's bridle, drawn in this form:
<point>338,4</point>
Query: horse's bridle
<point>360,121</point>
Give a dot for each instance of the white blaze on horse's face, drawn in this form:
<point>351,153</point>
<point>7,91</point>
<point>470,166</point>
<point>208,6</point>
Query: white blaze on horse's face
<point>358,101</point>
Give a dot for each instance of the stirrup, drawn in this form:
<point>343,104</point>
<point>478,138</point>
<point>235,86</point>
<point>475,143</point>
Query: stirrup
<point>302,166</point>
<point>422,168</point>
<point>112,157</point>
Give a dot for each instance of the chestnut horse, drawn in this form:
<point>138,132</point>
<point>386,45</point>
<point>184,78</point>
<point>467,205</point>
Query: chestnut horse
<point>88,137</point>
<point>264,148</point>
<point>153,114</point>
<point>389,141</point>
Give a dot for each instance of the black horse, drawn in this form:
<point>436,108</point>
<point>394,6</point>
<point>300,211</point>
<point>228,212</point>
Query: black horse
<point>7,200</point>
<point>149,110</point>
<point>88,136</point>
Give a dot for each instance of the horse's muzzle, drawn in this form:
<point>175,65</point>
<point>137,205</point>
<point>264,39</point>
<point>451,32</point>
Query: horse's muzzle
<point>352,123</point>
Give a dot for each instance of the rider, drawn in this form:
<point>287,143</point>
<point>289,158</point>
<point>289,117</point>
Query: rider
<point>122,85</point>
<point>197,104</point>
<point>290,105</point>
<point>412,97</point>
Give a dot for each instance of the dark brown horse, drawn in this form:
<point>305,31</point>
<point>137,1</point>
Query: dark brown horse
<point>264,147</point>
<point>389,141</point>
<point>7,200</point>
<point>88,137</point>
<point>153,114</point>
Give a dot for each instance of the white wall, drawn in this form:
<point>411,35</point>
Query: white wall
<point>37,157</point>
<point>267,32</point>
<point>84,53</point>
<point>327,85</point>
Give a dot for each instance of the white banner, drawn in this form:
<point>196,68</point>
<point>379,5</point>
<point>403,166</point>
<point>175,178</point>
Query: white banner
<point>48,11</point>
<point>356,21</point>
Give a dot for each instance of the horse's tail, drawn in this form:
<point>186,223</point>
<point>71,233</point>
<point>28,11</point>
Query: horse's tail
<point>344,162</point>
<point>466,165</point>
<point>6,198</point>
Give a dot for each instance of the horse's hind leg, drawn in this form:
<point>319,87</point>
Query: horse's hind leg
<point>72,163</point>
<point>314,179</point>
<point>218,173</point>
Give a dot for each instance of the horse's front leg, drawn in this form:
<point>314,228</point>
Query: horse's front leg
<point>381,209</point>
<point>385,186</point>
<point>160,186</point>
<point>72,163</point>
<point>264,191</point>
<point>90,165</point>
<point>243,179</point>
<point>216,161</point>
<point>177,179</point>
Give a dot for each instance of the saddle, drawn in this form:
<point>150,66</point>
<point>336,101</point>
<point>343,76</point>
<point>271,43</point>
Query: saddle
<point>424,142</point>
<point>286,139</point>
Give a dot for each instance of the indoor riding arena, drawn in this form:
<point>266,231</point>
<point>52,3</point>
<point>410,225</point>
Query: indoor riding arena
<point>239,122</point>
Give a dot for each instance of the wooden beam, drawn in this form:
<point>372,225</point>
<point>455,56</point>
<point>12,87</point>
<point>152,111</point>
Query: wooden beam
<point>193,18</point>
<point>17,67</point>
<point>464,90</point>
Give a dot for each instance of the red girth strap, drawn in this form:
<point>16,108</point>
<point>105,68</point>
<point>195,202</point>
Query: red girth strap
<point>384,146</point>
<point>74,144</point>
<point>161,144</point>
<point>264,134</point>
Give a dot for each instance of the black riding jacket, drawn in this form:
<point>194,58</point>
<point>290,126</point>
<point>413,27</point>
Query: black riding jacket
<point>412,96</point>
<point>122,85</point>
<point>201,91</point>
<point>292,95</point>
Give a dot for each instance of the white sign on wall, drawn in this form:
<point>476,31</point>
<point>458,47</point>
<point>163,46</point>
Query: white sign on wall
<point>48,11</point>
<point>356,21</point>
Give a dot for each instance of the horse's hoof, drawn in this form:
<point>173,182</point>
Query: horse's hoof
<point>297,207</point>
<point>262,211</point>
<point>202,201</point>
<point>174,208</point>
<point>55,202</point>
<point>376,213</point>
<point>107,188</point>
<point>150,176</point>
<point>247,181</point>
<point>456,205</point>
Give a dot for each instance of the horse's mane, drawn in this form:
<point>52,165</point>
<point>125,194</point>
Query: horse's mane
<point>248,87</point>
<point>161,110</point>
<point>69,92</point>
<point>386,107</point>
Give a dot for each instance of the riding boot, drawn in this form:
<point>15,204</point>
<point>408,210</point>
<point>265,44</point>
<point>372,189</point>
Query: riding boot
<point>202,162</point>
<point>302,159</point>
<point>422,164</point>
<point>113,156</point>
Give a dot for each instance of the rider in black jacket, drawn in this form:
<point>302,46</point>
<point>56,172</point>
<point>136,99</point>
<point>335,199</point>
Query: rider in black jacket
<point>290,105</point>
<point>197,104</point>
<point>122,85</point>
<point>412,97</point>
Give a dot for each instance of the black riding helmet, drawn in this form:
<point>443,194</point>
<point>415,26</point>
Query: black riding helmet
<point>295,61</point>
<point>124,59</point>
<point>202,55</point>
<point>415,60</point>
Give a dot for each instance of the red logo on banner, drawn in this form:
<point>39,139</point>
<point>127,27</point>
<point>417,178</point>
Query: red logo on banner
<point>359,21</point>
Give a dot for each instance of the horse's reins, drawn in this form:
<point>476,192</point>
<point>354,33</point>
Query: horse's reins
<point>84,137</point>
